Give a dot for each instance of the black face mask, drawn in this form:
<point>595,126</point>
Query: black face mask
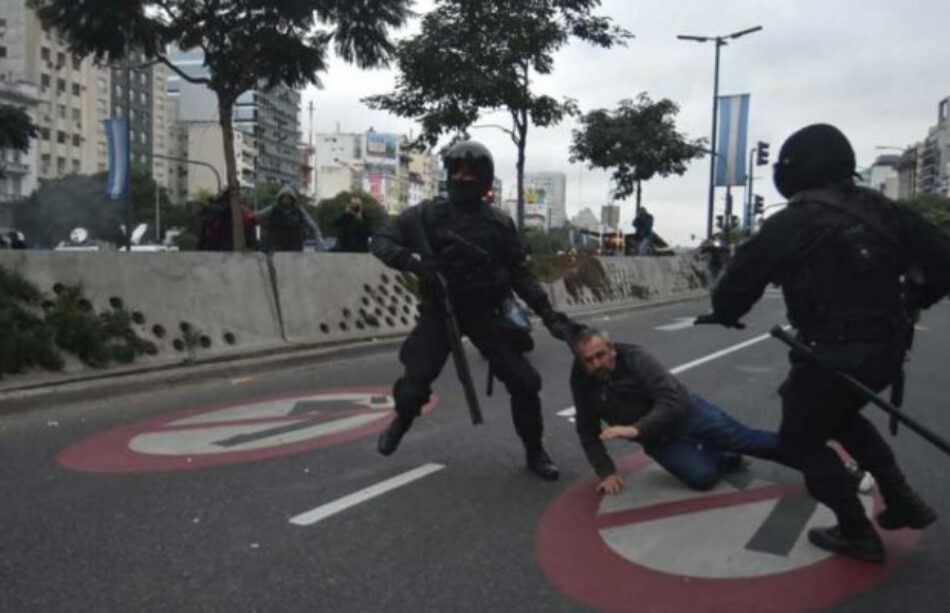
<point>465,193</point>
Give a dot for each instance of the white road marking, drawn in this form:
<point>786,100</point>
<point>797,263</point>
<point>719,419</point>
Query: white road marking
<point>921,328</point>
<point>681,324</point>
<point>568,412</point>
<point>715,356</point>
<point>322,512</point>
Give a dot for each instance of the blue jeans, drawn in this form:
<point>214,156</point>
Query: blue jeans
<point>697,452</point>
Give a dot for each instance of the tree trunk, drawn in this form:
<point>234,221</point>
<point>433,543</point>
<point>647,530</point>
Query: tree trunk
<point>639,192</point>
<point>225,111</point>
<point>522,143</point>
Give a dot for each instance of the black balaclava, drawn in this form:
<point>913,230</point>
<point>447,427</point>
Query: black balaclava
<point>478,159</point>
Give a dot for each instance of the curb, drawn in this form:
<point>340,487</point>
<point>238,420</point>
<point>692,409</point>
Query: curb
<point>101,385</point>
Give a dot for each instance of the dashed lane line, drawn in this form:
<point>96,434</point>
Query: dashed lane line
<point>356,498</point>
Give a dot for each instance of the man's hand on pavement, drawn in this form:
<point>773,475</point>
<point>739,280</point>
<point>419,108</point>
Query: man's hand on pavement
<point>612,432</point>
<point>611,484</point>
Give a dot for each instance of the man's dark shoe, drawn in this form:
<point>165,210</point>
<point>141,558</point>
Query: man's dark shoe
<point>867,547</point>
<point>906,510</point>
<point>389,438</point>
<point>540,464</point>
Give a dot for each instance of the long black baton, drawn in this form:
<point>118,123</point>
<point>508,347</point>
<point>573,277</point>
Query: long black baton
<point>895,413</point>
<point>458,354</point>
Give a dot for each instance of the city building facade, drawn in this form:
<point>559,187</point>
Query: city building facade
<point>545,196</point>
<point>269,115</point>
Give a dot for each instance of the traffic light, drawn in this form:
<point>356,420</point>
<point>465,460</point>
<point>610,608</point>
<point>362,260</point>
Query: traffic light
<point>758,205</point>
<point>719,221</point>
<point>734,222</point>
<point>761,154</point>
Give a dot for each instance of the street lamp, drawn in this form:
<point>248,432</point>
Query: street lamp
<point>720,41</point>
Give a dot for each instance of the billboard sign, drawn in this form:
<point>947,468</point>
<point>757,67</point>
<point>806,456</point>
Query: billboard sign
<point>382,148</point>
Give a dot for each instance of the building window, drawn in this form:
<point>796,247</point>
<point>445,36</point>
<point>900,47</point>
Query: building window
<point>60,60</point>
<point>76,89</point>
<point>44,53</point>
<point>76,167</point>
<point>61,137</point>
<point>44,81</point>
<point>77,62</point>
<point>44,163</point>
<point>60,86</point>
<point>61,166</point>
<point>3,51</point>
<point>62,110</point>
<point>77,115</point>
<point>44,133</point>
<point>75,140</point>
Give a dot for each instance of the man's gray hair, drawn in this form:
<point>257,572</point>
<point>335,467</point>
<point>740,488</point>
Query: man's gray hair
<point>587,335</point>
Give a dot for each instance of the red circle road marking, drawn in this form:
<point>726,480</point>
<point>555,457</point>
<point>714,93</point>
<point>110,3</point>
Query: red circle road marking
<point>574,556</point>
<point>110,451</point>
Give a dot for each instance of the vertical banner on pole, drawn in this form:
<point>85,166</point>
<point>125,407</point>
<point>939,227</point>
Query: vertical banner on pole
<point>732,140</point>
<point>118,146</point>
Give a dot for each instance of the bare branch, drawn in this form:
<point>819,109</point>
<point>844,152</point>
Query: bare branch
<point>183,74</point>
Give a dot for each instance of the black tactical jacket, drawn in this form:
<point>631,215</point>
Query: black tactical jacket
<point>839,254</point>
<point>640,393</point>
<point>478,251</point>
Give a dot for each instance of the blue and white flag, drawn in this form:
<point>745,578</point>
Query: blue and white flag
<point>732,140</point>
<point>118,141</point>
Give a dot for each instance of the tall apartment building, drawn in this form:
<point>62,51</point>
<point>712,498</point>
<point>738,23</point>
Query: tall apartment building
<point>271,116</point>
<point>547,190</point>
<point>70,91</point>
<point>76,96</point>
<point>934,155</point>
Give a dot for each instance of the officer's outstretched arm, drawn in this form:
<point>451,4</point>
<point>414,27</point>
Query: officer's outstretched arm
<point>392,245</point>
<point>758,261</point>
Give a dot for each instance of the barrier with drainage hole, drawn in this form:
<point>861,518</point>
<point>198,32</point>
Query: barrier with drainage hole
<point>187,304</point>
<point>204,305</point>
<point>329,297</point>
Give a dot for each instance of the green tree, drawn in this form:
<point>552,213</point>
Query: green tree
<point>933,207</point>
<point>638,140</point>
<point>245,43</point>
<point>331,209</point>
<point>16,131</point>
<point>472,58</point>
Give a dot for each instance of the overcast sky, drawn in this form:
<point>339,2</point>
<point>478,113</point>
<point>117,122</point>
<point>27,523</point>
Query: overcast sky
<point>874,68</point>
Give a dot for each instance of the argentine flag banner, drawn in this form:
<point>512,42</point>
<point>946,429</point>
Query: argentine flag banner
<point>118,143</point>
<point>732,140</point>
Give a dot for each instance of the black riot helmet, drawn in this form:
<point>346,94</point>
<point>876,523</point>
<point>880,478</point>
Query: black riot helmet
<point>476,158</point>
<point>815,156</point>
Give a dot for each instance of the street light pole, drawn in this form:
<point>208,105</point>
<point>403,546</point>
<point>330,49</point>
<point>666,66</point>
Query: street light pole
<point>720,41</point>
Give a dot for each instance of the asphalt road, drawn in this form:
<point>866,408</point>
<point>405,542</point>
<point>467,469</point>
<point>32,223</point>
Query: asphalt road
<point>86,524</point>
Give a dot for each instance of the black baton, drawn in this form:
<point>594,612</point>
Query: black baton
<point>895,413</point>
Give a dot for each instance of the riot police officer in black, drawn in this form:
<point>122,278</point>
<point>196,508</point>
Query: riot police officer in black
<point>841,254</point>
<point>477,250</point>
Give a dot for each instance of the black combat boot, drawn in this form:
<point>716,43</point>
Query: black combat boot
<point>905,509</point>
<point>389,438</point>
<point>540,463</point>
<point>866,546</point>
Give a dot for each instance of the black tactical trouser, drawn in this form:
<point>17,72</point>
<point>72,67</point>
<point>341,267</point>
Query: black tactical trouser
<point>426,350</point>
<point>816,409</point>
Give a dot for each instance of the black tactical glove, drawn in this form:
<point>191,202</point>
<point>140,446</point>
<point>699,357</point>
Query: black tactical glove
<point>713,318</point>
<point>424,269</point>
<point>561,326</point>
